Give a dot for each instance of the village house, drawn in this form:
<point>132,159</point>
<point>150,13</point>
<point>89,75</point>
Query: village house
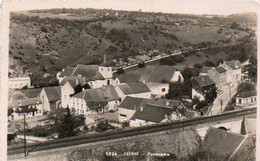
<point>51,98</point>
<point>244,99</point>
<point>68,85</point>
<point>222,142</point>
<point>202,85</point>
<point>153,114</point>
<point>129,106</point>
<point>134,90</point>
<point>32,107</point>
<point>158,89</point>
<point>19,82</point>
<point>219,76</point>
<point>233,69</point>
<point>96,100</point>
<point>96,76</point>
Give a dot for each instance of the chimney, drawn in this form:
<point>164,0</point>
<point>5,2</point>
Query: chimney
<point>77,81</point>
<point>167,103</point>
<point>142,108</point>
<point>202,79</point>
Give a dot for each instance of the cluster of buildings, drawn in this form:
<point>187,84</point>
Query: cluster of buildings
<point>92,89</point>
<point>223,77</point>
<point>137,98</point>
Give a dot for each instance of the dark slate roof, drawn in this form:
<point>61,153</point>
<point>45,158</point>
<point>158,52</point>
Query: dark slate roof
<point>157,73</point>
<point>106,93</point>
<point>90,72</point>
<point>129,77</point>
<point>221,142</point>
<point>73,81</point>
<point>173,104</point>
<point>247,94</point>
<point>203,81</point>
<point>234,64</point>
<point>24,102</point>
<point>221,69</point>
<point>132,103</point>
<point>53,93</point>
<point>134,88</point>
<point>25,93</point>
<point>205,69</point>
<point>67,71</point>
<point>152,113</point>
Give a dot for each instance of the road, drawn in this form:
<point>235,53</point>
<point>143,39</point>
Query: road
<point>224,98</point>
<point>122,133</point>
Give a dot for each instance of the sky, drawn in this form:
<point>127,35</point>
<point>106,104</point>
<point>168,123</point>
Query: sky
<point>219,7</point>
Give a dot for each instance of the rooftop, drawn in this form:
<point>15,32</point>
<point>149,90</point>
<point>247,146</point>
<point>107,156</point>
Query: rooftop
<point>53,93</point>
<point>203,81</point>
<point>103,94</point>
<point>157,73</point>
<point>247,94</point>
<point>221,69</point>
<point>222,142</point>
<point>133,88</point>
<point>152,113</point>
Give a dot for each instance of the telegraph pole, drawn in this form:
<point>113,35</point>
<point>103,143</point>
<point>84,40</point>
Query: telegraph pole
<point>24,135</point>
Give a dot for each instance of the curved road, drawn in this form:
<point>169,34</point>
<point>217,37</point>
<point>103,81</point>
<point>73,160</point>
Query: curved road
<point>224,98</point>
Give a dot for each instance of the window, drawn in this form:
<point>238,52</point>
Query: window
<point>239,101</point>
<point>163,89</point>
<point>122,115</point>
<point>255,98</point>
<point>252,99</point>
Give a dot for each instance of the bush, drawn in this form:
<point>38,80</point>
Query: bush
<point>141,65</point>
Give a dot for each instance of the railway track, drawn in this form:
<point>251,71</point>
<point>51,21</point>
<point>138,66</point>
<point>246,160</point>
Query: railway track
<point>77,140</point>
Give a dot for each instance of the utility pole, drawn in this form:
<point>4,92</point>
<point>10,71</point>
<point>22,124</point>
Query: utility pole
<point>221,103</point>
<point>24,131</point>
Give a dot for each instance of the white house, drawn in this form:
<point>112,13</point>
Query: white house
<point>128,107</point>
<point>233,69</point>
<point>134,90</point>
<point>96,76</point>
<point>68,85</point>
<point>158,89</point>
<point>51,98</point>
<point>245,99</point>
<point>19,82</point>
<point>32,107</point>
<point>96,100</point>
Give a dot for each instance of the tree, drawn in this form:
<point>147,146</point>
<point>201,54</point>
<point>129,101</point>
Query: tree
<point>245,87</point>
<point>201,104</point>
<point>141,65</point>
<point>120,71</point>
<point>67,126</point>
